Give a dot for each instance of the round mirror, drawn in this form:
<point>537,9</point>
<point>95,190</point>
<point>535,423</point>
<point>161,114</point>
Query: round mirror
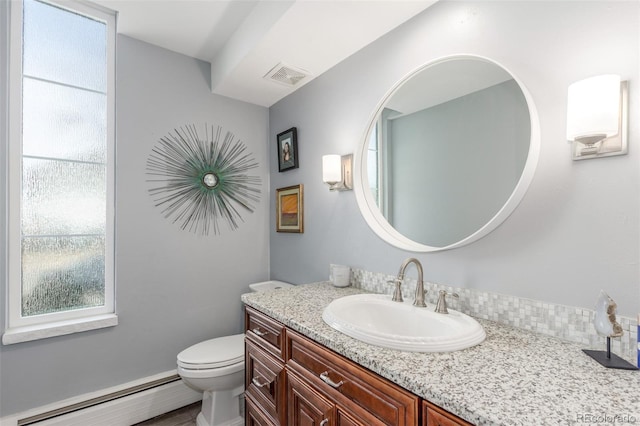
<point>448,155</point>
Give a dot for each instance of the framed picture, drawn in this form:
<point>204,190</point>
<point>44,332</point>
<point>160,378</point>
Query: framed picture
<point>289,209</point>
<point>287,142</point>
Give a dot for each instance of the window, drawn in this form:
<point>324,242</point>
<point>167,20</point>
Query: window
<point>61,174</point>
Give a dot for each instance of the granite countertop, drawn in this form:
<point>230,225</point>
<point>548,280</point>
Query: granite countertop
<point>515,377</point>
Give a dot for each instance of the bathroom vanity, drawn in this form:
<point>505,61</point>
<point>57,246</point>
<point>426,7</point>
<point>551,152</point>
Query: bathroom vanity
<point>288,376</point>
<point>301,371</point>
<point>292,380</point>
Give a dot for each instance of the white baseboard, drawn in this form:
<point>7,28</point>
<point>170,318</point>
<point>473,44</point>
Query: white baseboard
<point>123,411</point>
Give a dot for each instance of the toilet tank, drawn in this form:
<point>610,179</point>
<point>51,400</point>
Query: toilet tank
<point>269,285</point>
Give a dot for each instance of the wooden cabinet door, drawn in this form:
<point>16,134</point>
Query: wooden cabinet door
<point>307,407</point>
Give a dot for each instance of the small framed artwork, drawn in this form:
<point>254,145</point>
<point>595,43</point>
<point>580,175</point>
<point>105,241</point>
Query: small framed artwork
<point>289,209</point>
<point>287,142</point>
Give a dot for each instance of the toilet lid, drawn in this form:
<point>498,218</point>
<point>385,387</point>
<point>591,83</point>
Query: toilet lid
<point>214,353</point>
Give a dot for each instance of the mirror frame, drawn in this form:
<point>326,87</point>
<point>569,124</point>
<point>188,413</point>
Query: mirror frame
<point>368,207</point>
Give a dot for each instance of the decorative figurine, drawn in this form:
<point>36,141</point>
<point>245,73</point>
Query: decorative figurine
<point>605,318</point>
<point>606,325</point>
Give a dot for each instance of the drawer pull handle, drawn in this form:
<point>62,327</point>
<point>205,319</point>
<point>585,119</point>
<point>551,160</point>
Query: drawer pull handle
<point>324,422</point>
<point>256,381</point>
<point>325,378</point>
<point>259,332</point>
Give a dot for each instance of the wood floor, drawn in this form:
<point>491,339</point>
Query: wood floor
<point>185,416</point>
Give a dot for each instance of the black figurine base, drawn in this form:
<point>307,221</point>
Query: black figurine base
<point>609,360</point>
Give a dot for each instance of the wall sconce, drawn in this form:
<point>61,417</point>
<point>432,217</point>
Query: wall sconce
<point>337,172</point>
<point>597,117</point>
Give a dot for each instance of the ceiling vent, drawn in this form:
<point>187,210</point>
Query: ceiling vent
<point>286,75</point>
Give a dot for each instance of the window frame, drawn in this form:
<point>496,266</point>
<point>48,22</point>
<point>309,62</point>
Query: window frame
<point>18,328</point>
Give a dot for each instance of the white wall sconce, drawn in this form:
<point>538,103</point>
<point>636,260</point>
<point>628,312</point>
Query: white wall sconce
<point>337,171</point>
<point>597,117</point>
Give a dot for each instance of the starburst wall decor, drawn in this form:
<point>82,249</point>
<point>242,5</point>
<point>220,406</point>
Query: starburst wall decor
<point>200,181</point>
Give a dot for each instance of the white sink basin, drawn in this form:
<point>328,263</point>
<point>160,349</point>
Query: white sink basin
<point>376,319</point>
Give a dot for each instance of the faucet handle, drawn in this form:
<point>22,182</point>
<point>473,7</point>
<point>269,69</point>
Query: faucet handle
<point>441,306</point>
<point>397,293</point>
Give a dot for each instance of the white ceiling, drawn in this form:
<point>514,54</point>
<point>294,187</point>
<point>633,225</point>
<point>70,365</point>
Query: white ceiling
<point>245,39</point>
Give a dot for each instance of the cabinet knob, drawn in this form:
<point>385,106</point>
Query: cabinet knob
<point>260,332</point>
<point>259,383</point>
<point>324,422</point>
<point>325,378</point>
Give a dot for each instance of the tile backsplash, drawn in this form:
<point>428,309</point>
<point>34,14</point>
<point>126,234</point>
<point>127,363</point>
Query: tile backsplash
<point>565,322</point>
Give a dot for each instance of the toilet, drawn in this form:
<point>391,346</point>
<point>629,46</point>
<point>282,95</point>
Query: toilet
<point>216,368</point>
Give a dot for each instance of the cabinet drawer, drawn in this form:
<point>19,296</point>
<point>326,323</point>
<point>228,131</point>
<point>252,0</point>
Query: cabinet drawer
<point>310,406</point>
<point>265,381</point>
<point>436,416</point>
<point>267,333</point>
<point>254,416</point>
<point>349,384</point>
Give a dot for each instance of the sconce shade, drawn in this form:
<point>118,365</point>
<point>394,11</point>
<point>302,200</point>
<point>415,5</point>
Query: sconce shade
<point>331,168</point>
<point>593,108</point>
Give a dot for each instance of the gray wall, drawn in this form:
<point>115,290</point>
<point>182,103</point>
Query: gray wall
<point>576,230</point>
<point>174,288</point>
<point>457,163</point>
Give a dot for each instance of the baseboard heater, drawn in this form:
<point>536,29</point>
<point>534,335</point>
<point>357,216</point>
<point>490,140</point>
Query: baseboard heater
<point>126,406</point>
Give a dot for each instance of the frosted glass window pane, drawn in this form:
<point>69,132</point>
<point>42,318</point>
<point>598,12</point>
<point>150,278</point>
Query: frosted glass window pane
<point>62,273</point>
<point>63,122</point>
<point>63,46</point>
<point>60,197</point>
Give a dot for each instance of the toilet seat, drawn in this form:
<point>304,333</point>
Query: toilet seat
<point>214,353</point>
<point>209,373</point>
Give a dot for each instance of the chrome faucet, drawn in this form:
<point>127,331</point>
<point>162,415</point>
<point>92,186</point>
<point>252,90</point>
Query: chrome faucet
<point>418,299</point>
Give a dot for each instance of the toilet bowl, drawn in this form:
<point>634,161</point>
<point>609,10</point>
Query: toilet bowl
<point>215,367</point>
